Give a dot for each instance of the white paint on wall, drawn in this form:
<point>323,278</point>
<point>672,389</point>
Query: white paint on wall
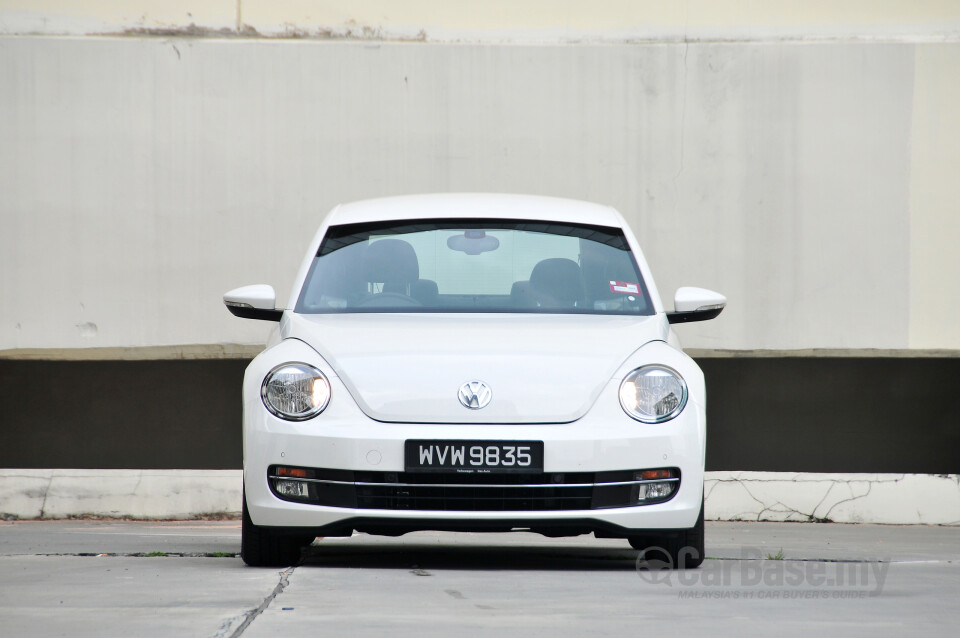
<point>935,199</point>
<point>605,20</point>
<point>497,20</point>
<point>756,496</point>
<point>140,178</point>
<point>83,17</point>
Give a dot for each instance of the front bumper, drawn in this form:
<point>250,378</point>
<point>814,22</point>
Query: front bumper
<point>590,446</point>
<point>343,438</point>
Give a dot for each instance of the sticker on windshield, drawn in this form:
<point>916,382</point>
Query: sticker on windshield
<point>625,287</point>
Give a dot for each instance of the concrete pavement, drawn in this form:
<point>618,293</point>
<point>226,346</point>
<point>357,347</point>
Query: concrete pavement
<point>113,578</point>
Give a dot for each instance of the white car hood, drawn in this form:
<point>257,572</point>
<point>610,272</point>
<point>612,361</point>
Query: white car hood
<point>408,368</point>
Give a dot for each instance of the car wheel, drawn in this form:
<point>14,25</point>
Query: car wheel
<point>260,547</point>
<point>682,549</point>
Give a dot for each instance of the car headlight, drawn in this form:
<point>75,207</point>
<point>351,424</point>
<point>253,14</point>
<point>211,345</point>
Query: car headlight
<point>653,394</point>
<point>295,391</point>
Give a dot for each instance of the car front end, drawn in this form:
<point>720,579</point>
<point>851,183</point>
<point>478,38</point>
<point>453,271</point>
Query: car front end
<point>497,400</point>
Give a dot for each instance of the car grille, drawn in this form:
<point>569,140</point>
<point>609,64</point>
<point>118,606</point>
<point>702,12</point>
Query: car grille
<point>441,491</point>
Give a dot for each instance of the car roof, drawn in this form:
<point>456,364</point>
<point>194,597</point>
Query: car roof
<point>474,206</point>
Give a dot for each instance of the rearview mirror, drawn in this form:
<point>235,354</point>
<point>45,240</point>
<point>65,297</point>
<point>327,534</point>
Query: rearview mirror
<point>253,302</point>
<point>696,304</point>
<point>473,242</point>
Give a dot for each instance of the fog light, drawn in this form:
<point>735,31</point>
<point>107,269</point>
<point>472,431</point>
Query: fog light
<point>293,489</point>
<point>657,490</point>
<point>656,485</point>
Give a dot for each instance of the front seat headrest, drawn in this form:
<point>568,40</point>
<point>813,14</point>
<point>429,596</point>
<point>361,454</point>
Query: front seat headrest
<point>558,283</point>
<point>392,262</point>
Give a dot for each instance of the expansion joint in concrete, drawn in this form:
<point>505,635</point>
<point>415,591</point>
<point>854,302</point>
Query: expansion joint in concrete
<point>254,613</point>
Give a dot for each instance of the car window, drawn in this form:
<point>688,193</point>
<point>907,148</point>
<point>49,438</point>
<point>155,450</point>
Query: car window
<point>474,266</point>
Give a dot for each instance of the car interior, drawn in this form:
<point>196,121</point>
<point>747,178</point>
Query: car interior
<point>386,274</point>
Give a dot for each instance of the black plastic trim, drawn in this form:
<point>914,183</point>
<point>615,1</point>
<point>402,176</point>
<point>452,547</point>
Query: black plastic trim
<point>343,235</point>
<point>248,312</point>
<point>379,526</point>
<point>693,315</point>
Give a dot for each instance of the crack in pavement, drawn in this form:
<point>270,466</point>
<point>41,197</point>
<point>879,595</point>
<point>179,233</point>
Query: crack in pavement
<point>225,627</point>
<point>254,613</point>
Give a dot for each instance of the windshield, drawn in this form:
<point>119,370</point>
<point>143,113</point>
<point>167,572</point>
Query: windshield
<point>474,266</point>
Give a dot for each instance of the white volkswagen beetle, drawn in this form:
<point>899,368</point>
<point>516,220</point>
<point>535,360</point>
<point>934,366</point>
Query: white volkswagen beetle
<point>476,363</point>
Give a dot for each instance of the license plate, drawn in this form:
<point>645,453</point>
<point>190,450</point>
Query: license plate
<point>473,456</point>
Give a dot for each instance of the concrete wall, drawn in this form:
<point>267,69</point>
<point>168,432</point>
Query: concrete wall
<point>495,20</point>
<point>798,155</point>
<point>813,183</point>
<point>771,414</point>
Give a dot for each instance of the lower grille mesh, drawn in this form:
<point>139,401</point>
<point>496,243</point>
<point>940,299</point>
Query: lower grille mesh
<point>474,498</point>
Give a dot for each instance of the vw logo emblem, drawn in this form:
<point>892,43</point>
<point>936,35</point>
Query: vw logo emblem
<point>475,395</point>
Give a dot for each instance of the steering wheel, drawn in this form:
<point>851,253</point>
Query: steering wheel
<point>387,300</point>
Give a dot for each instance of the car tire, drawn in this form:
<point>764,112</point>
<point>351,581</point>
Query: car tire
<point>684,548</point>
<point>260,547</point>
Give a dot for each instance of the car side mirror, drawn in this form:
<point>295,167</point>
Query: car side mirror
<point>253,302</point>
<point>696,304</point>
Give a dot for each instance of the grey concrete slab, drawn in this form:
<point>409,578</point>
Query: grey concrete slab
<point>724,539</point>
<point>917,601</point>
<point>826,541</point>
<point>849,580</point>
<point>119,537</point>
<point>123,596</point>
